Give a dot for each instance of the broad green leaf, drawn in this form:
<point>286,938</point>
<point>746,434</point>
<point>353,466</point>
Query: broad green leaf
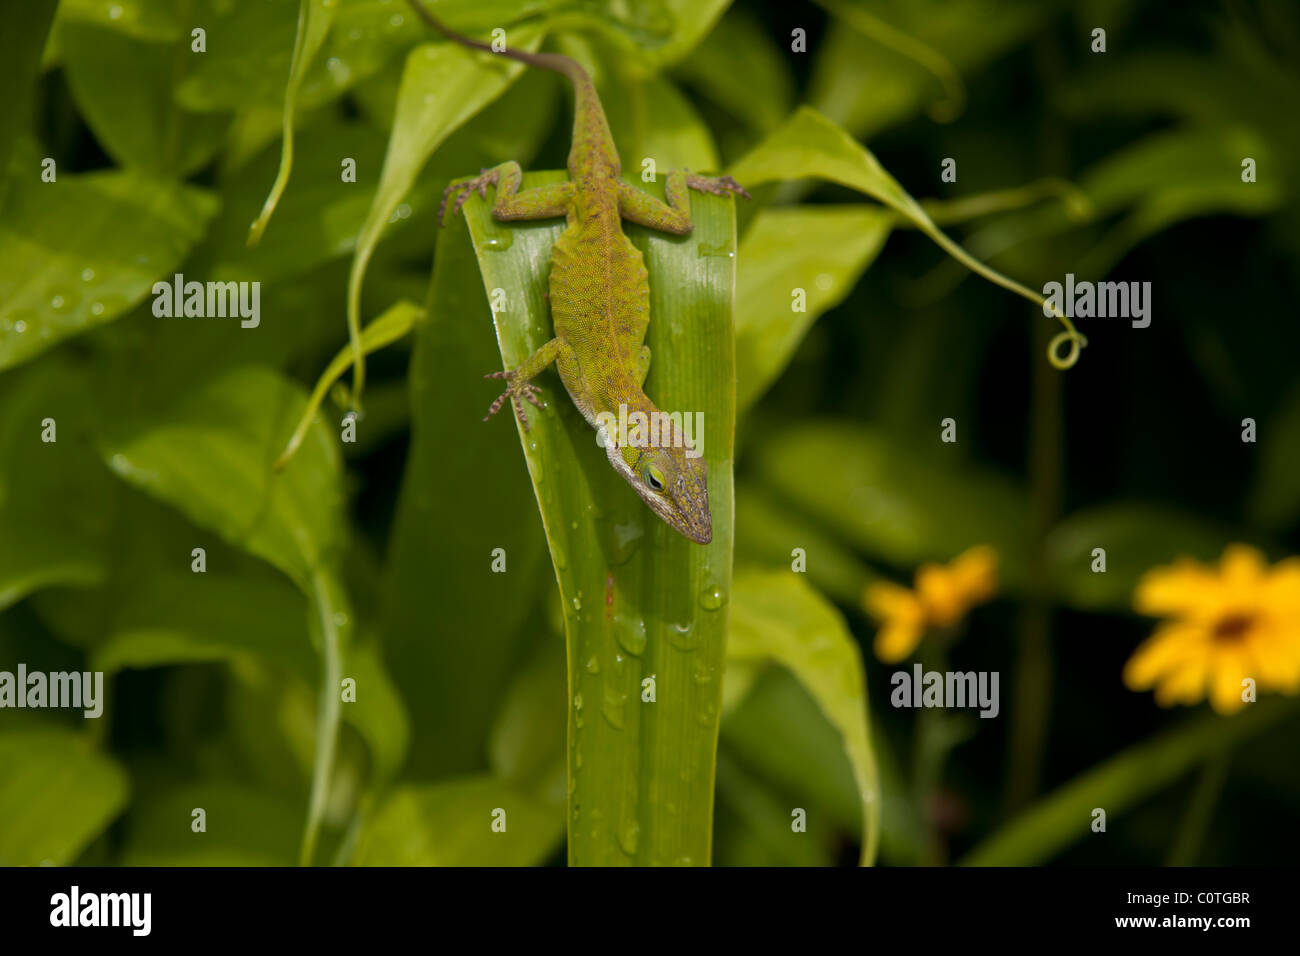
<point>54,496</point>
<point>821,250</point>
<point>809,145</point>
<point>691,21</point>
<point>81,251</point>
<point>314,19</point>
<point>1274,499</point>
<point>1136,537</point>
<point>143,19</point>
<point>210,456</point>
<point>776,616</point>
<point>639,598</point>
<point>56,795</point>
<point>768,535</point>
<point>452,646</point>
<point>123,88</point>
<point>891,502</point>
<point>1064,817</point>
<point>473,821</point>
<point>21,43</point>
<point>443,85</point>
<point>244,827</point>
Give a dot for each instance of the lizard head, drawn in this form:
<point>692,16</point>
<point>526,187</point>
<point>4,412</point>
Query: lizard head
<point>674,485</point>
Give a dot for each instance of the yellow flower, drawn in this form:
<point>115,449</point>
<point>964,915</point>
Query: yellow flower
<point>942,597</point>
<point>1241,620</point>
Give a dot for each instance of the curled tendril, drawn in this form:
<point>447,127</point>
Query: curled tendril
<point>1076,339</point>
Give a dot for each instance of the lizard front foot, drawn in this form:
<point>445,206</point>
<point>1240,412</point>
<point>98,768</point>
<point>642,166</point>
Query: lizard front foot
<point>717,185</point>
<point>461,191</point>
<point>516,391</point>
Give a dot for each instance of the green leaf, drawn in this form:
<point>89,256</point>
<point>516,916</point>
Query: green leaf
<point>244,827</point>
<point>443,85</point>
<point>891,502</point>
<point>809,145</point>
<point>776,616</point>
<point>1136,538</point>
<point>822,250</point>
<point>314,19</point>
<point>123,88</point>
<point>882,63</point>
<point>639,598</point>
<point>1274,499</point>
<point>447,677</point>
<point>143,19</point>
<point>56,795</point>
<point>54,496</point>
<point>81,251</point>
<point>767,534</point>
<point>1065,816</point>
<point>452,824</point>
<point>741,69</point>
<point>21,43</point>
<point>210,456</point>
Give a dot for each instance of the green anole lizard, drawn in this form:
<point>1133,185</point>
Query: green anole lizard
<point>599,291</point>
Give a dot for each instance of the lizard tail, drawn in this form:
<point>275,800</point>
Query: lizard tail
<point>557,62</point>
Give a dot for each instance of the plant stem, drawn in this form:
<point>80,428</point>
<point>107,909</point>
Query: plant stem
<point>1187,844</point>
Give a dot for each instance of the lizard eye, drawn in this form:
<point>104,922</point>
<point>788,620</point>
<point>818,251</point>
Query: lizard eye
<point>654,478</point>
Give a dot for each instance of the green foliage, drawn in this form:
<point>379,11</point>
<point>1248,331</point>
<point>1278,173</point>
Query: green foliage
<point>331,568</point>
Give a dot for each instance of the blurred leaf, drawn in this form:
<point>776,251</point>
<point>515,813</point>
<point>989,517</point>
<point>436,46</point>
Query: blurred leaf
<point>767,534</point>
<point>143,19</point>
<point>1274,498</point>
<point>639,598</point>
<point>754,824</point>
<point>123,87</point>
<point>1064,817</point>
<point>822,250</point>
<point>21,43</point>
<point>80,252</point>
<point>250,49</point>
<point>1136,537</point>
<point>54,497</point>
<point>244,827</point>
<point>891,502</point>
<point>741,69</point>
<point>883,62</point>
<point>451,824</point>
<point>465,81</point>
<point>453,647</point>
<point>777,616</point>
<point>314,19</point>
<point>1172,176</point>
<point>56,795</point>
<point>527,746</point>
<point>316,221</point>
<point>210,456</point>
